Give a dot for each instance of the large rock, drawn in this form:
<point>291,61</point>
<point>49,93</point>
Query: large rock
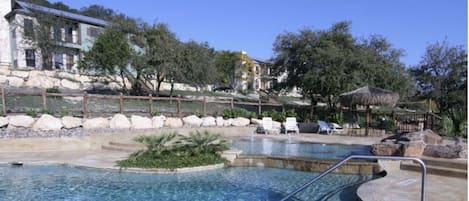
<point>220,121</point>
<point>119,121</point>
<point>192,121</point>
<point>427,136</point>
<point>66,75</point>
<point>3,79</point>
<point>227,122</point>
<point>448,151</point>
<point>20,121</point>
<point>48,123</point>
<point>139,122</point>
<point>158,121</point>
<point>15,81</point>
<point>208,122</point>
<point>173,122</point>
<point>70,122</point>
<point>65,83</point>
<point>257,122</point>
<point>412,149</point>
<point>94,123</point>
<point>21,74</point>
<point>240,121</point>
<point>386,149</point>
<point>3,122</point>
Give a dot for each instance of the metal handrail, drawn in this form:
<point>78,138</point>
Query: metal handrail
<point>422,167</point>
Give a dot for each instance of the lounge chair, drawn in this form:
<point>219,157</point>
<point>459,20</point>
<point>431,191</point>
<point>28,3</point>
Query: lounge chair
<point>267,126</point>
<point>291,125</point>
<point>335,128</point>
<point>324,127</point>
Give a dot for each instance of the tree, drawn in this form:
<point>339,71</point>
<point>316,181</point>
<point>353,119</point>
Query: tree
<point>442,76</point>
<point>198,66</point>
<point>109,55</point>
<point>326,63</point>
<point>225,63</point>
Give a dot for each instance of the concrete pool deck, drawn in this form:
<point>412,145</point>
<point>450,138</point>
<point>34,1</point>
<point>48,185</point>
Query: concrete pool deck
<point>397,185</point>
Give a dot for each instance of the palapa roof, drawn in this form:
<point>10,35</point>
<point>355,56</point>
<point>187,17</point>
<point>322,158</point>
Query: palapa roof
<point>369,96</point>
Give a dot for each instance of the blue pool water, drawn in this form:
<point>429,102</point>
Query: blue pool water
<point>65,183</point>
<point>257,146</point>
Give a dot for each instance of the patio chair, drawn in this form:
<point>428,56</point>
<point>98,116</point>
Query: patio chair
<point>336,128</point>
<point>324,127</point>
<point>268,126</point>
<point>291,125</point>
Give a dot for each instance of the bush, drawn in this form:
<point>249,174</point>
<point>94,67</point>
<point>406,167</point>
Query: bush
<point>167,151</point>
<point>387,124</point>
<point>305,116</point>
<point>237,112</point>
<point>53,90</point>
<point>32,113</point>
<point>336,117</point>
<point>155,113</point>
<point>279,116</point>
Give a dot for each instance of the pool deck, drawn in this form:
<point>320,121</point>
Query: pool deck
<point>397,185</point>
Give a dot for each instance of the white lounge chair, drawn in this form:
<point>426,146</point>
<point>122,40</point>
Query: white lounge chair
<point>291,125</point>
<point>268,126</point>
<point>335,128</point>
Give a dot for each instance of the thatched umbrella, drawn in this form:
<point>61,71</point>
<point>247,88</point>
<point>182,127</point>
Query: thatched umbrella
<point>369,96</point>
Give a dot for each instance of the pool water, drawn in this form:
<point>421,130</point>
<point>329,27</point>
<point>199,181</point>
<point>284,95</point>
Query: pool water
<point>256,146</point>
<point>67,183</point>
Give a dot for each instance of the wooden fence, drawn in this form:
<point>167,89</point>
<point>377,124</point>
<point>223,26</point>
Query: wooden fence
<point>229,102</point>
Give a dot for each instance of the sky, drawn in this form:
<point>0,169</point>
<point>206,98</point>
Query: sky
<point>252,25</point>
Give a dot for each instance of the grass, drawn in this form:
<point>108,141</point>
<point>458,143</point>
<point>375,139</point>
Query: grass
<point>171,160</point>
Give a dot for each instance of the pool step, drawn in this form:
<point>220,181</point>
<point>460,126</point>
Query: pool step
<point>444,167</point>
<point>124,147</point>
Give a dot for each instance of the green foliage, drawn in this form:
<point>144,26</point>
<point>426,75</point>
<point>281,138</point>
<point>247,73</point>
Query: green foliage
<point>455,123</point>
<point>238,112</point>
<point>64,113</point>
<point>387,124</point>
<point>447,126</point>
<point>336,117</point>
<point>167,151</point>
<point>442,76</point>
<point>49,112</point>
<point>155,113</point>
<point>306,116</point>
<point>32,113</point>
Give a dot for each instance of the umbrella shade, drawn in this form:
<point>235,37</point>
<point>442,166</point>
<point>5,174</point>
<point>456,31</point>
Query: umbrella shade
<point>369,96</point>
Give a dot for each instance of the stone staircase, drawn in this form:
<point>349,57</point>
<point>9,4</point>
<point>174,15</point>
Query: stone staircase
<point>440,166</point>
<point>123,146</point>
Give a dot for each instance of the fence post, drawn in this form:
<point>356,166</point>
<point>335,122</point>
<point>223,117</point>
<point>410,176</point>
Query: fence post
<point>150,104</point>
<point>85,105</point>
<point>4,107</point>
<point>259,107</point>
<point>232,102</point>
<point>44,101</point>
<point>121,103</point>
<point>179,107</point>
<point>205,106</point>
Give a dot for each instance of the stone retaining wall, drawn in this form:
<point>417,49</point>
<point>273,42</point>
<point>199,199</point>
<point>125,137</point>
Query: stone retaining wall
<point>305,164</point>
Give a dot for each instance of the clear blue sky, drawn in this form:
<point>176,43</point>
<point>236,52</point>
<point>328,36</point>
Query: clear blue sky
<point>252,25</point>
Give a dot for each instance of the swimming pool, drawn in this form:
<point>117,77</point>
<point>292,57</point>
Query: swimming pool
<point>67,183</point>
<point>262,146</point>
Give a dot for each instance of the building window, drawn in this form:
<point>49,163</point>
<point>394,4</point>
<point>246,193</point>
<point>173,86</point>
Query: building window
<point>70,62</point>
<point>30,58</point>
<point>28,27</point>
<point>57,33</point>
<point>58,61</point>
<point>93,32</point>
<point>69,35</point>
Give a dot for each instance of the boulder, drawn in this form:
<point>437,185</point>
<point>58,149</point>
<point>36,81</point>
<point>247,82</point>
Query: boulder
<point>71,122</point>
<point>139,122</point>
<point>21,74</point>
<point>429,137</point>
<point>412,149</point>
<point>173,122</point>
<point>3,122</point>
<point>94,123</point>
<point>3,79</point>
<point>158,121</point>
<point>415,136</point>
<point>240,121</point>
<point>66,75</point>
<point>192,121</point>
<point>220,121</point>
<point>15,81</point>
<point>65,83</point>
<point>208,122</point>
<point>386,149</point>
<point>119,121</point>
<point>448,151</point>
<point>256,122</point>
<point>20,121</point>
<point>227,122</point>
<point>48,123</point>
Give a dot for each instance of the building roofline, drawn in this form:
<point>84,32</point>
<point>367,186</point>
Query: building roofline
<point>28,8</point>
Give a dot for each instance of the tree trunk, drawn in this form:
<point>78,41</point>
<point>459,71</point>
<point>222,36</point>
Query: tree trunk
<point>172,89</point>
<point>124,86</point>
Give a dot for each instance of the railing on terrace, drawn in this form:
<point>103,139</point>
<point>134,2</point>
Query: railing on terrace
<point>423,169</point>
